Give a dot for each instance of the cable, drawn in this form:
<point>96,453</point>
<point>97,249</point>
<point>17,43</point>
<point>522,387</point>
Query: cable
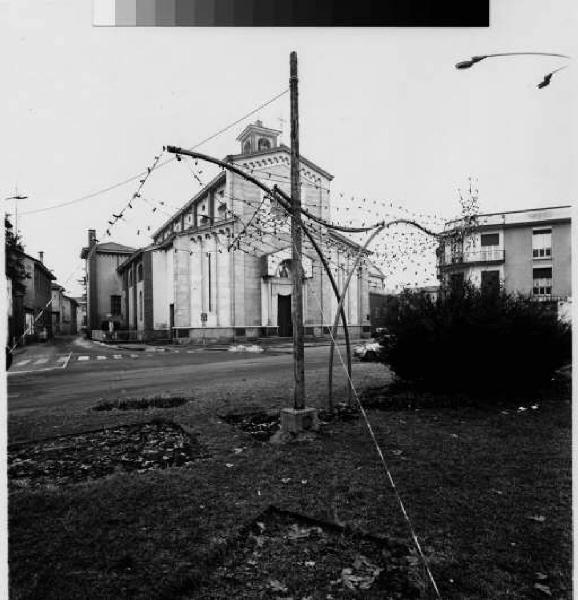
<point>382,458</point>
<point>139,175</point>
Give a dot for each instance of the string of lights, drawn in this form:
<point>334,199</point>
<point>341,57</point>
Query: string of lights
<point>138,176</point>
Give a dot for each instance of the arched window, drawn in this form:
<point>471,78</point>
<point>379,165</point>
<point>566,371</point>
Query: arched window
<point>284,269</point>
<point>140,307</point>
<point>247,147</point>
<point>264,144</point>
<point>139,272</point>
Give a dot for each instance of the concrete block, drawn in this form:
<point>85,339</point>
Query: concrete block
<point>296,421</point>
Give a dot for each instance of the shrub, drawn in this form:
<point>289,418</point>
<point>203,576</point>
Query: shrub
<point>471,340</point>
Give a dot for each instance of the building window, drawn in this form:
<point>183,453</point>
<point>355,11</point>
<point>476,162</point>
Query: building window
<point>264,144</point>
<point>140,306</point>
<point>490,239</point>
<point>130,277</point>
<point>139,272</point>
<point>247,147</point>
<point>457,283</point>
<point>542,281</point>
<point>490,283</point>
<point>209,282</point>
<point>115,305</point>
<point>542,243</point>
<point>284,269</point>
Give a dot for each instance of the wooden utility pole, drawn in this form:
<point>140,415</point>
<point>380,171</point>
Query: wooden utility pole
<point>297,303</point>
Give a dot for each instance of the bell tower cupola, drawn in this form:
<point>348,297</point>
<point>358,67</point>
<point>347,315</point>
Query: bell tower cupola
<point>256,138</point>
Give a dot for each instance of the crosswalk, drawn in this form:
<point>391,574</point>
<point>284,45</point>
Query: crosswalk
<point>86,357</point>
<point>51,362</point>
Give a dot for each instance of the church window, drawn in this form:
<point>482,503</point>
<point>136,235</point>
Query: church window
<point>247,147</point>
<point>139,272</point>
<point>209,282</point>
<point>284,269</point>
<point>264,144</point>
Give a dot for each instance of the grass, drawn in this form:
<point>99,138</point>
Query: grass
<point>488,493</point>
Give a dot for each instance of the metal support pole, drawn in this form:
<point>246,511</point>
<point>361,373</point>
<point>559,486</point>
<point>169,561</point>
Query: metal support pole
<point>297,300</point>
<point>342,302</point>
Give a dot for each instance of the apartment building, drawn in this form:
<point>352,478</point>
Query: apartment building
<point>522,251</point>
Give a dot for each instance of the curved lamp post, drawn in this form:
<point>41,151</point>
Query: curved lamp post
<point>467,64</point>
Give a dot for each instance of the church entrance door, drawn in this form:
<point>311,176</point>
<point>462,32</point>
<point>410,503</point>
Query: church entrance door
<point>284,316</point>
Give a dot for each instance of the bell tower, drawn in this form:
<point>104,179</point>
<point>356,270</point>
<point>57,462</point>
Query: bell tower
<point>255,138</point>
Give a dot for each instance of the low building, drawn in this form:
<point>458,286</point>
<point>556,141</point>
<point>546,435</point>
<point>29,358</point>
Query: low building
<point>63,312</point>
<point>80,312</point>
<point>104,284</point>
<point>37,298</point>
<point>522,251</point>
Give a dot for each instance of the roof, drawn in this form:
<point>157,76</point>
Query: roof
<point>280,148</point>
<point>344,239</point>
<point>107,248</point>
<point>213,183</point>
<point>514,218</point>
<point>72,299</point>
<point>258,127</point>
<point>40,265</point>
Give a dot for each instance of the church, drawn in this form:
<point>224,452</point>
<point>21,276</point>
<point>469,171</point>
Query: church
<point>220,268</point>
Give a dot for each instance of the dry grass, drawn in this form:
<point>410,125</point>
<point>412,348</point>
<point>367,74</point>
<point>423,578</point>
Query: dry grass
<point>489,495</point>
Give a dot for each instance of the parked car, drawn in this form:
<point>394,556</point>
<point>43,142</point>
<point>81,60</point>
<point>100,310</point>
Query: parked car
<point>368,352</point>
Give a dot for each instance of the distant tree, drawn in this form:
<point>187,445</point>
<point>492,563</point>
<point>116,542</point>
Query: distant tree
<point>471,340</point>
<point>13,257</point>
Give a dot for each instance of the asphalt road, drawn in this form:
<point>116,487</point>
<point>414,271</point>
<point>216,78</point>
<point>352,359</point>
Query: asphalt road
<point>139,373</point>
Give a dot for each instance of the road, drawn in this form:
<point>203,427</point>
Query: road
<point>108,370</point>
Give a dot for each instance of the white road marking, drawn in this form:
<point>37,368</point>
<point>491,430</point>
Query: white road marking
<point>63,358</point>
<point>134,355</point>
<point>100,357</point>
<point>117,356</point>
<point>83,358</point>
<point>66,361</point>
<point>41,361</point>
<point>22,363</point>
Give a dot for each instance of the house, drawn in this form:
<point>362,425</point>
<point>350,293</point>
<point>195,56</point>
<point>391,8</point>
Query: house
<point>36,299</point>
<point>80,312</point>
<point>104,285</point>
<point>63,312</point>
<point>522,251</point>
<point>209,276</point>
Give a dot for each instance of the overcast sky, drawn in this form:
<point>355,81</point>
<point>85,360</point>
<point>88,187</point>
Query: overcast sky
<point>383,110</point>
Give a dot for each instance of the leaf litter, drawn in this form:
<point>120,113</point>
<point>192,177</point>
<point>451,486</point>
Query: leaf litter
<point>284,556</point>
<point>95,454</point>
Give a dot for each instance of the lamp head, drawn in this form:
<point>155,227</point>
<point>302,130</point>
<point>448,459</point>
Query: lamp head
<point>466,64</point>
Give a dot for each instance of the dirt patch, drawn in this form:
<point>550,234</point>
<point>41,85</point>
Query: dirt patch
<point>140,403</point>
<point>287,555</point>
<point>261,425</point>
<point>91,455</point>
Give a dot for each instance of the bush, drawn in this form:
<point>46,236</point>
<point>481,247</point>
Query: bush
<point>470,340</point>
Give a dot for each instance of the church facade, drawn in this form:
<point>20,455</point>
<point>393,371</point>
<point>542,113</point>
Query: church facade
<point>220,268</point>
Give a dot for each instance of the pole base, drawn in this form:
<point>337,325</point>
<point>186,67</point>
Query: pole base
<point>296,421</point>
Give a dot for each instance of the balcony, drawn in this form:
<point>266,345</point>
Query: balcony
<point>488,255</point>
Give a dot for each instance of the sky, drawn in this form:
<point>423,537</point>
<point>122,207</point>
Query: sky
<point>383,110</point>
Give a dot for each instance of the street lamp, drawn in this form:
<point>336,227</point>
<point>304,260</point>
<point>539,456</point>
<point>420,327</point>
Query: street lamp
<point>467,64</point>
